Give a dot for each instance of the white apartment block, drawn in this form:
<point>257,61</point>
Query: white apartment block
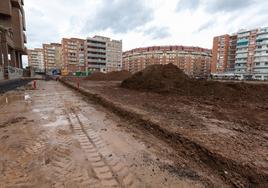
<point>36,59</point>
<point>103,54</point>
<point>260,68</point>
<point>252,54</point>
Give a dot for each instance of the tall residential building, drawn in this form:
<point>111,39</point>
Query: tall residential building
<point>194,61</point>
<point>12,38</point>
<point>231,54</point>
<point>36,59</point>
<point>220,54</point>
<point>103,54</point>
<point>247,54</point>
<point>246,46</point>
<point>73,55</point>
<point>260,68</point>
<point>52,57</point>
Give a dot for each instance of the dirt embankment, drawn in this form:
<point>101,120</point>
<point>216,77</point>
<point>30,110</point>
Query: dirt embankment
<point>112,76</point>
<point>170,79</point>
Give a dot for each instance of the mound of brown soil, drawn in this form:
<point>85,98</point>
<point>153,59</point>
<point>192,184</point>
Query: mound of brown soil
<point>170,79</point>
<point>112,76</point>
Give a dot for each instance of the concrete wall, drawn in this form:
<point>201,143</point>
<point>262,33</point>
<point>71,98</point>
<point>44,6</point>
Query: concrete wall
<point>14,73</point>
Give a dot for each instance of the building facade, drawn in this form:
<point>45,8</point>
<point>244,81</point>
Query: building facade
<point>245,51</point>
<point>103,54</point>
<point>52,57</point>
<point>220,54</point>
<point>36,59</point>
<point>73,55</point>
<point>247,54</point>
<point>194,61</point>
<point>260,69</point>
<point>12,38</point>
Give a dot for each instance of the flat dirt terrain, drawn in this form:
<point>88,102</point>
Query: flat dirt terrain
<point>55,137</point>
<point>218,141</point>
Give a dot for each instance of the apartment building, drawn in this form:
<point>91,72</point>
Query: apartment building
<point>52,57</point>
<point>194,61</point>
<point>245,51</point>
<point>36,59</point>
<point>260,68</point>
<point>220,54</point>
<point>247,54</point>
<point>12,38</point>
<point>73,55</point>
<point>103,54</point>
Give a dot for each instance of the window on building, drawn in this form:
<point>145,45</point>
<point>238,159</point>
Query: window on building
<point>257,64</point>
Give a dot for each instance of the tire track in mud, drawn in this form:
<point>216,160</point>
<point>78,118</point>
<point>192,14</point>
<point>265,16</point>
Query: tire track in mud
<point>67,171</point>
<point>17,173</point>
<point>110,171</point>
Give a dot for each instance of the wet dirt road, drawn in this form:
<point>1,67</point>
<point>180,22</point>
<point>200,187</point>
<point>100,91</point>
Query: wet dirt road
<point>53,137</point>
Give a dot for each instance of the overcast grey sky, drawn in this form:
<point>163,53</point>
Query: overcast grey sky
<point>142,22</point>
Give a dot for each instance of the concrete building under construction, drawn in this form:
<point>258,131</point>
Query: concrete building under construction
<point>194,61</point>
<point>12,38</point>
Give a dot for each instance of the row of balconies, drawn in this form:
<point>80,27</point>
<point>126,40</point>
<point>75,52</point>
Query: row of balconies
<point>96,50</point>
<point>96,55</point>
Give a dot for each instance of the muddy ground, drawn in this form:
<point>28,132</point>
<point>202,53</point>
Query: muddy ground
<point>216,142</point>
<point>55,137</point>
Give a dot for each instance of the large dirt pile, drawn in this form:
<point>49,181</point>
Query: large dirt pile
<point>112,76</point>
<point>170,79</point>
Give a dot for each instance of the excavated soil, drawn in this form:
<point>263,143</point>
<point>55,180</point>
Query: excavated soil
<point>112,76</point>
<point>221,136</point>
<point>169,79</point>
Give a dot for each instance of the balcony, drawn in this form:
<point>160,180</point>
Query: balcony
<point>261,37</point>
<point>96,55</point>
<point>263,54</point>
<point>96,44</point>
<point>262,43</point>
<point>96,50</point>
<point>96,60</point>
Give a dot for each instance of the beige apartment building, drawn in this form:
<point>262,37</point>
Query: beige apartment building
<point>52,57</point>
<point>36,59</point>
<point>73,55</point>
<point>12,38</point>
<point>103,54</point>
<point>194,61</point>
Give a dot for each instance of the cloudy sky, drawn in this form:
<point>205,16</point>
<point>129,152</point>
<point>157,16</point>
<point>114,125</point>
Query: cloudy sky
<point>142,22</point>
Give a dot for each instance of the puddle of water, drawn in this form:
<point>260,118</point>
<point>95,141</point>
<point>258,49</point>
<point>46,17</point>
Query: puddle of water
<point>11,98</point>
<point>61,121</point>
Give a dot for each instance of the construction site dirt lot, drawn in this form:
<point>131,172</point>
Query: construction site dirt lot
<point>220,143</point>
<point>53,136</point>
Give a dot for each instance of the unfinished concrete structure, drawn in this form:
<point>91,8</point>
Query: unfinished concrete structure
<point>12,38</point>
<point>194,61</point>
